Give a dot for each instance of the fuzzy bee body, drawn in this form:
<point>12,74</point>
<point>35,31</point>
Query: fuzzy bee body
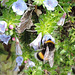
<point>47,51</point>
<point>48,45</point>
<point>40,55</point>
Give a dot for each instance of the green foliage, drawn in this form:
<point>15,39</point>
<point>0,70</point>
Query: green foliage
<point>34,70</point>
<point>38,2</point>
<point>26,38</point>
<point>64,36</point>
<point>9,3</point>
<point>72,35</point>
<point>10,17</point>
<point>65,50</point>
<point>48,22</point>
<point>2,51</point>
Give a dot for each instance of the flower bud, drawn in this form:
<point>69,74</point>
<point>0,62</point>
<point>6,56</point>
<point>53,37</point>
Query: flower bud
<point>13,38</point>
<point>11,26</point>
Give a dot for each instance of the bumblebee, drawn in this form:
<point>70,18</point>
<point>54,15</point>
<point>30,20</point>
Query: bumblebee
<point>47,53</point>
<point>40,55</point>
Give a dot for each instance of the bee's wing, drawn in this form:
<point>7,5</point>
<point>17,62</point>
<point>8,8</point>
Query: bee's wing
<point>51,58</point>
<point>46,55</point>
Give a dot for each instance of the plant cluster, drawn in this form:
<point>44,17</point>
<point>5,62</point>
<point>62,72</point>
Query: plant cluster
<point>55,17</point>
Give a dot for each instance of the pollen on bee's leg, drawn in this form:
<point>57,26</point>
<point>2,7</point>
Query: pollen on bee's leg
<point>46,59</point>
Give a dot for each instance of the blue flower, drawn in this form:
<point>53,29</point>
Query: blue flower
<point>16,68</point>
<point>50,4</point>
<point>19,7</point>
<point>3,25</point>
<point>47,37</point>
<point>18,48</point>
<point>62,20</point>
<point>19,60</point>
<point>31,63</point>
<point>37,42</point>
<point>5,38</point>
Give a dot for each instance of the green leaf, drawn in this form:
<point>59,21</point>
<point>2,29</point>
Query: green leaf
<point>62,52</point>
<point>38,2</point>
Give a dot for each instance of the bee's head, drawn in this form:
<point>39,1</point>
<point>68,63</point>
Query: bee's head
<point>50,44</point>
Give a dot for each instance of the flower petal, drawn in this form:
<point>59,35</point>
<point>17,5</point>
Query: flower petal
<point>37,42</point>
<point>5,38</point>
<point>31,63</point>
<point>16,68</point>
<point>19,7</point>
<point>18,48</point>
<point>19,60</point>
<point>47,37</point>
<point>62,20</point>
<point>50,4</point>
<point>3,25</point>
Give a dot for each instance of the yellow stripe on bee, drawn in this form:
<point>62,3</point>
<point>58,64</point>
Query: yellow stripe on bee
<point>49,41</point>
<point>41,55</point>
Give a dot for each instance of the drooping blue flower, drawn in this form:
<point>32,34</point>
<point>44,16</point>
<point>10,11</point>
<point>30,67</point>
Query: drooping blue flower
<point>5,38</point>
<point>19,60</point>
<point>47,37</point>
<point>16,68</point>
<point>19,7</point>
<point>69,73</point>
<point>31,63</point>
<point>62,20</point>
<point>18,48</point>
<point>50,4</point>
<point>37,42</point>
<point>3,25</point>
